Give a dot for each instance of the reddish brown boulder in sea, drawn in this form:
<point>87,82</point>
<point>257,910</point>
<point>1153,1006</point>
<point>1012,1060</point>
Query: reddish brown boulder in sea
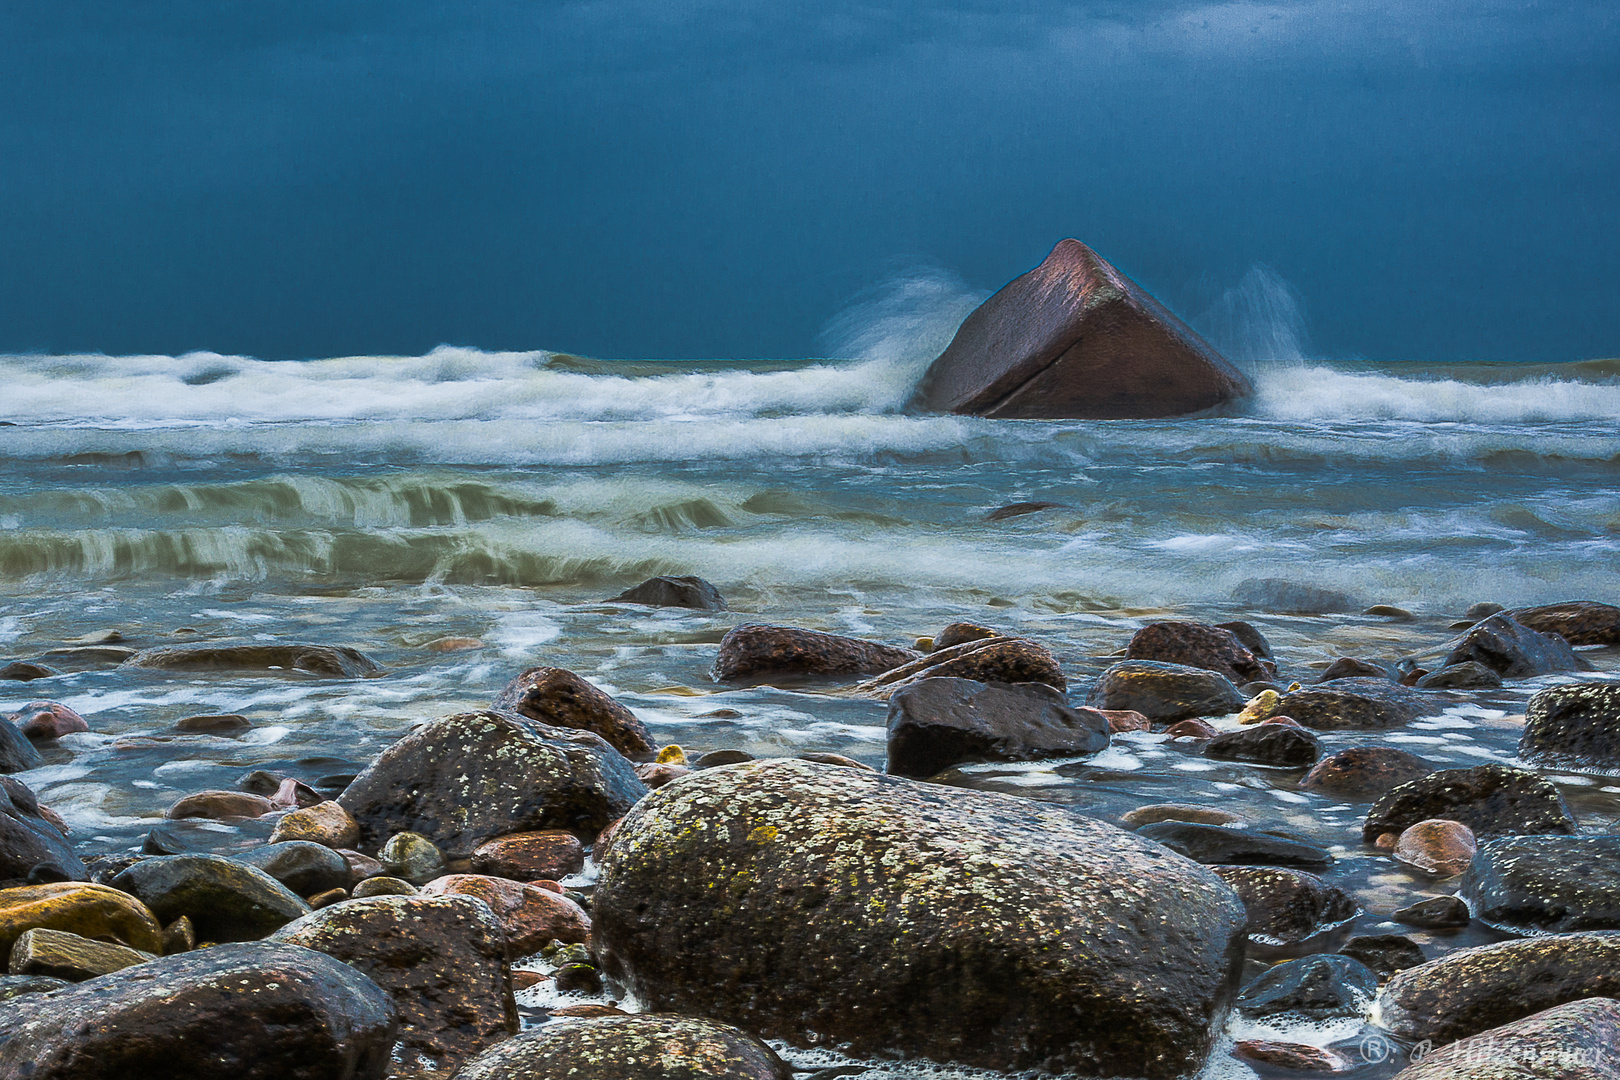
<point>1075,338</point>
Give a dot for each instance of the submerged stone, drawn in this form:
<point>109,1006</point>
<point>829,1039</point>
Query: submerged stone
<point>334,660</point>
<point>936,723</point>
<point>680,592</point>
<point>838,904</point>
<point>755,651</point>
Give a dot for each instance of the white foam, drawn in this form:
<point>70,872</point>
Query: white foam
<point>1301,392</point>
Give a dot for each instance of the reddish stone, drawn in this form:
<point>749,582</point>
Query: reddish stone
<point>1197,645</point>
<point>756,651</point>
<point>1076,338</point>
<point>560,698</point>
<point>531,917</point>
<point>1438,846</point>
<point>221,806</point>
<point>1298,1056</point>
<point>1281,721</point>
<point>1190,729</point>
<point>45,720</point>
<point>295,794</point>
<point>656,774</point>
<point>1125,720</point>
<point>546,853</point>
<point>522,980</point>
<point>546,884</point>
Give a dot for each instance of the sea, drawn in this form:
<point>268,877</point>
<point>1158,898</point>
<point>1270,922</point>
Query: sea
<point>463,515</point>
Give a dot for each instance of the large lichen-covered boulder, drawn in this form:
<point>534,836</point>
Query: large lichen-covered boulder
<point>1545,884</point>
<point>471,777</point>
<point>1577,1041</point>
<point>1472,990</point>
<point>441,958</point>
<point>814,903</point>
<point>645,1047</point>
<point>1074,337</point>
<point>232,1012</point>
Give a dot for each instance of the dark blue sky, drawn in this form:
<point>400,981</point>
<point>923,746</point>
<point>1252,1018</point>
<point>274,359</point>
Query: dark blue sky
<point>667,178</point>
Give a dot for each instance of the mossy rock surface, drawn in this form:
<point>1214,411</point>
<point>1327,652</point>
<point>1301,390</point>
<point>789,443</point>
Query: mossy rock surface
<point>646,1047</point>
<point>815,903</point>
<point>81,908</point>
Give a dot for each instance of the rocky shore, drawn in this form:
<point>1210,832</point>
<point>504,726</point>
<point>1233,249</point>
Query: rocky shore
<point>538,888</point>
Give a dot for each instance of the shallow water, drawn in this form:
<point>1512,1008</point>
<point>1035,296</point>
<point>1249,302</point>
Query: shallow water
<point>394,503</point>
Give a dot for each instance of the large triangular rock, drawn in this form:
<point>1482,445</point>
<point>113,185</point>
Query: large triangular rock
<point>1076,338</point>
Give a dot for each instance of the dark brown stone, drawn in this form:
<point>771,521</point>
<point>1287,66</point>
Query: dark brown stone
<point>754,651</point>
<point>959,632</point>
<point>334,660</point>
<point>657,774</point>
<point>1357,702</point>
<point>1270,743</point>
<point>213,724</point>
<point>936,723</point>
<point>1514,651</point>
<point>843,905</point>
<point>1076,338</point>
<point>1579,622</point>
<point>1576,1041</point>
<point>681,592</point>
<point>17,752</point>
<point>1384,954</point>
<point>28,839</point>
<point>234,1012</point>
<point>990,660</point>
<point>1545,884</point>
<point>1189,729</point>
<point>548,853</point>
<point>1573,725</point>
<point>1012,510</point>
<point>1192,644</point>
<point>1436,913</point>
<point>619,1047</point>
<point>1492,800</point>
<point>1164,692</point>
<point>441,958</point>
<point>1348,667</point>
<point>220,806</point>
<point>560,698</point>
<point>531,916</point>
<point>1299,1057</point>
<point>1365,772</point>
<point>468,778</point>
<point>1472,990</point>
<point>1287,906</point>
<point>23,671</point>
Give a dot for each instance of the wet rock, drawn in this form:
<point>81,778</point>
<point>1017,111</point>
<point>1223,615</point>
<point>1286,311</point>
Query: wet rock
<point>1389,611</point>
<point>1481,610</point>
<point>15,986</point>
<point>1348,667</point>
<point>1317,987</point>
<point>325,823</point>
<point>213,724</point>
<point>1198,645</point>
<point>1514,651</point>
<point>1364,772</point>
<point>559,698</point>
<point>656,775</point>
<point>92,911</point>
<point>23,671</point>
<point>260,782</point>
<point>1437,846</point>
<point>1470,675</point>
<point>530,916</point>
<point>441,958</point>
<point>1148,815</point>
<point>681,592</point>
<point>235,1012</point>
<point>167,840</point>
<point>225,900</point>
<point>295,795</point>
<point>1546,884</point>
<point>1287,906</point>
<point>958,633</point>
<point>1164,692</point>
<point>1384,954</point>
<point>1357,703</point>
<point>835,759</point>
<point>755,651</point>
<point>1573,725</point>
<point>1492,800</point>
<point>1268,744</point>
<point>384,886</point>
<point>644,1047</point>
<point>360,866</point>
<point>17,753</point>
<point>1020,509</point>
<point>1291,597</point>
<point>42,721</point>
<point>1298,1057</point>
<point>1051,939</point>
<point>468,778</point>
<point>338,661</point>
<point>716,758</point>
<point>1435,913</point>
<point>1577,1041</point>
<point>1579,622</point>
<point>304,867</point>
<point>61,955</point>
<point>1215,844</point>
<point>1189,729</point>
<point>1472,990</point>
<point>411,856</point>
<point>1125,720</point>
<point>549,853</point>
<point>179,936</point>
<point>220,806</point>
<point>1250,636</point>
<point>991,660</point>
<point>1261,707</point>
<point>28,839</point>
<point>936,723</point>
<point>1076,338</point>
